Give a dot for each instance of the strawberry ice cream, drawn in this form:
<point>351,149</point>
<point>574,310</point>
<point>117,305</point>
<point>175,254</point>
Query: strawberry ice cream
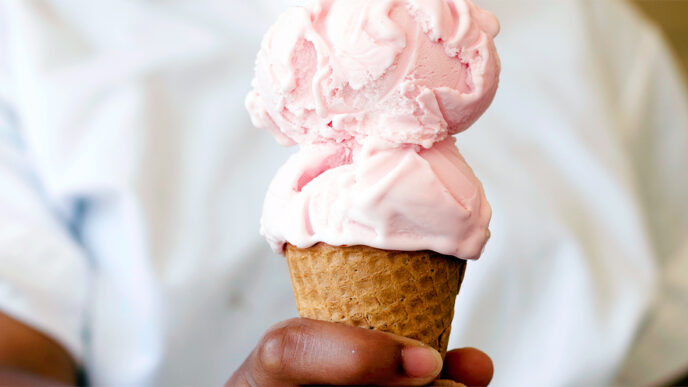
<point>372,91</point>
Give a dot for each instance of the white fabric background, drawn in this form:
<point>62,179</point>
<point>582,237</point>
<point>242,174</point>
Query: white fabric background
<point>131,186</point>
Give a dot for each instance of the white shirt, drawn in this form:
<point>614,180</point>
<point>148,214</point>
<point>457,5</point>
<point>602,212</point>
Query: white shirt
<point>131,185</point>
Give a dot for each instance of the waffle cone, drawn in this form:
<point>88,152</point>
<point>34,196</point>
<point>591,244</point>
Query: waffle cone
<point>408,293</point>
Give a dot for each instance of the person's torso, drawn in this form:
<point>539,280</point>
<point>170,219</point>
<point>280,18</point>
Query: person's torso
<point>133,113</point>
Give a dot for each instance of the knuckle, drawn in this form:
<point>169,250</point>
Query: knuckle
<point>279,348</point>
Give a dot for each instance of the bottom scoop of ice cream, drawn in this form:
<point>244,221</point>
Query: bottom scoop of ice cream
<point>401,198</point>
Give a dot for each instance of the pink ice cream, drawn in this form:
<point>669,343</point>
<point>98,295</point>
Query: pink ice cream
<point>372,91</point>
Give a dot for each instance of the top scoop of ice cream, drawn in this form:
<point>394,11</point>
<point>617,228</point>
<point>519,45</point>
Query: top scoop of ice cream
<point>404,71</point>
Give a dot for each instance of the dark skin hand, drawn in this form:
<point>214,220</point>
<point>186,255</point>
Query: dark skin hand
<point>309,352</point>
<point>294,352</point>
<point>29,358</point>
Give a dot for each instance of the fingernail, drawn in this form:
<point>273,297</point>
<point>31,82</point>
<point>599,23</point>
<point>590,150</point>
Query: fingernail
<point>421,362</point>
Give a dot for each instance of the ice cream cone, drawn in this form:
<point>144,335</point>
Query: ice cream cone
<point>408,293</point>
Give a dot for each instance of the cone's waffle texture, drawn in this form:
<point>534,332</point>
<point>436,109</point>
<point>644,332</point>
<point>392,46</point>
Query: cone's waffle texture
<point>408,293</point>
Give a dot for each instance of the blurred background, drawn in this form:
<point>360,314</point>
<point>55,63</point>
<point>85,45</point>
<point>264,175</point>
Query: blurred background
<point>672,17</point>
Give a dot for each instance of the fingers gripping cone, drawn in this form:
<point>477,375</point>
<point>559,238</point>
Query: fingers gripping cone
<point>407,293</point>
